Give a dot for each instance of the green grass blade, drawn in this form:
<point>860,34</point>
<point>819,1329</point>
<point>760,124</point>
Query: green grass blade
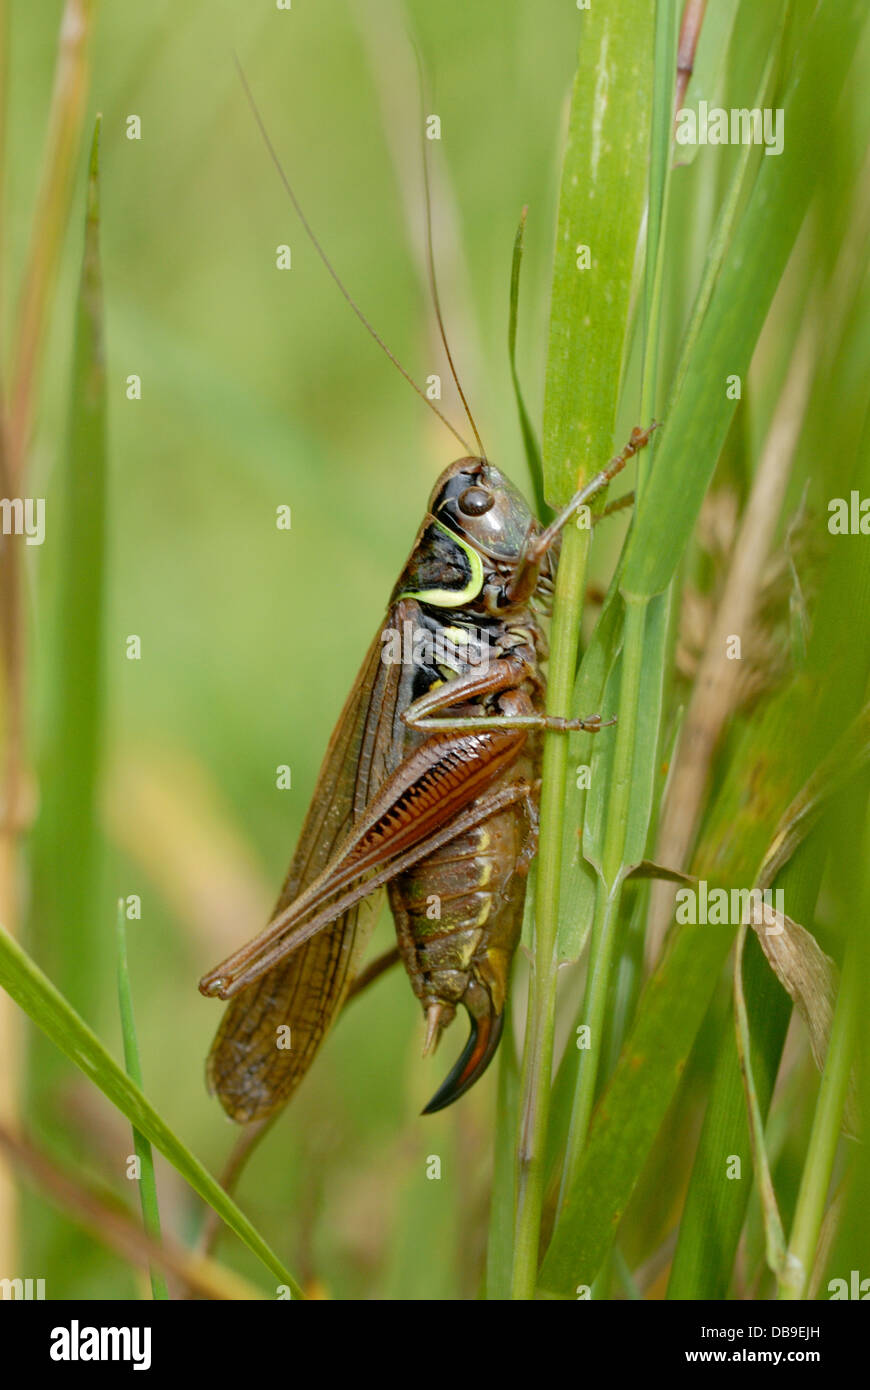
<point>66,838</point>
<point>96,1209</point>
<point>604,167</point>
<point>666,32</point>
<point>698,419</point>
<point>639,776</point>
<point>774,1233</point>
<point>589,760</point>
<point>147,1184</point>
<point>671,1008</point>
<point>527,429</point>
<point>503,1200</point>
<point>827,1121</point>
<point>21,977</point>
<point>715,1207</point>
<point>586,753</point>
<point>66,841</point>
<point>714,1210</point>
<point>623,781</point>
<point>707,73</point>
<point>741,180</point>
<point>629,807</point>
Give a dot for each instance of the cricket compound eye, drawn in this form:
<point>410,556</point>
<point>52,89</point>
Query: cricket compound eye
<point>474,501</point>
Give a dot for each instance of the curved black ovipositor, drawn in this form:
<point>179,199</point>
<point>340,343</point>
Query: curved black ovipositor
<point>476,1056</point>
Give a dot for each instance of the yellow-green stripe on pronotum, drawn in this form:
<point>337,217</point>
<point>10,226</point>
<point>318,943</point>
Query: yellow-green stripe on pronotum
<point>452,598</point>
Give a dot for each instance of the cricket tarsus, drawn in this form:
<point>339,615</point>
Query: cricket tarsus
<point>540,544</point>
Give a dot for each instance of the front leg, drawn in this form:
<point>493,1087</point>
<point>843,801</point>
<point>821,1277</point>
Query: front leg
<point>490,677</point>
<point>524,580</point>
<point>503,677</point>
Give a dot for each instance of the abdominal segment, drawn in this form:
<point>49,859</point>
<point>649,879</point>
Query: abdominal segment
<point>458,917</point>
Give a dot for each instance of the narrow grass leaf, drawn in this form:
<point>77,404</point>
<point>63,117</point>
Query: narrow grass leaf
<point>709,65</point>
<point>527,429</point>
<point>672,1006</point>
<point>647,727</point>
<point>147,1184</point>
<point>773,1230</point>
<point>21,977</point>
<point>66,837</point>
<point>585,790</point>
<point>604,169</point>
<point>699,418</point>
<point>715,1205</point>
<point>503,1198</point>
<point>825,1135</point>
<point>849,756</point>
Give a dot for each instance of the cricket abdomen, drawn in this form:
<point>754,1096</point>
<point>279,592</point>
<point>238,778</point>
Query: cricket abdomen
<point>458,918</point>
<point>460,903</point>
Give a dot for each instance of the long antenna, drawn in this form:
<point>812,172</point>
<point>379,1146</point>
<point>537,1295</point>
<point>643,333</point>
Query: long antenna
<point>331,268</point>
<point>430,258</point>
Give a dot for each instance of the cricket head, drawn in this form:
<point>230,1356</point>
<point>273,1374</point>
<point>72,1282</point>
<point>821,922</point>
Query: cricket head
<point>480,505</point>
<point>474,531</point>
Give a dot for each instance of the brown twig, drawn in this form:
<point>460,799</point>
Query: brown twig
<point>690,32</point>
<point>5,28</point>
<point>714,690</point>
<point>68,101</point>
<point>117,1228</point>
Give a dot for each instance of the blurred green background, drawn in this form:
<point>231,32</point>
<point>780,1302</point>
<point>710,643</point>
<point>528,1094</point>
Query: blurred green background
<point>259,388</point>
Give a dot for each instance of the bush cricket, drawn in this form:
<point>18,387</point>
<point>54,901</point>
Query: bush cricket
<point>428,790</point>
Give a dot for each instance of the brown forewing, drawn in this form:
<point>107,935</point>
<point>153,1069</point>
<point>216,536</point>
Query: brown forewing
<point>251,1075</point>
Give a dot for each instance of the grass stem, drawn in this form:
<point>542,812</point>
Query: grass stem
<point>538,1055</point>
